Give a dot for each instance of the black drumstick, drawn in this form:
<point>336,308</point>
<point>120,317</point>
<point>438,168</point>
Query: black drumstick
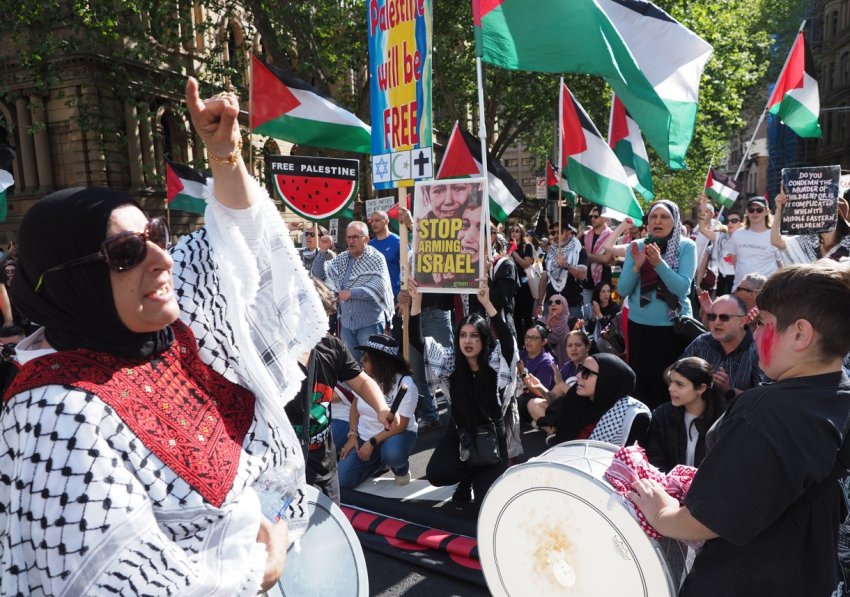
<point>397,402</point>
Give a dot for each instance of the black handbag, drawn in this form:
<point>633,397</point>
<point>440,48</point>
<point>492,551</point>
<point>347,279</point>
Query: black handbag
<point>687,328</point>
<point>479,446</point>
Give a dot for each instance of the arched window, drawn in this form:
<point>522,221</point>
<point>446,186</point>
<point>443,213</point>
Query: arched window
<point>172,137</point>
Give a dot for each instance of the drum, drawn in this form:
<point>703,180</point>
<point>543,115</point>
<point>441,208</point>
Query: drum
<point>330,561</point>
<point>554,526</point>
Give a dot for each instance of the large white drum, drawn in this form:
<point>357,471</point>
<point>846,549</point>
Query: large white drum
<point>554,526</point>
<point>330,561</point>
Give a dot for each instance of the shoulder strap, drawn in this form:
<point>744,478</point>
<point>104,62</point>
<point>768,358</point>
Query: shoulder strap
<point>306,398</point>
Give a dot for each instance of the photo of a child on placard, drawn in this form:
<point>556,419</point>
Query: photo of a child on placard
<point>447,237</point>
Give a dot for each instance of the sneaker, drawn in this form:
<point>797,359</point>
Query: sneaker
<point>426,425</point>
<point>402,479</point>
<point>462,494</point>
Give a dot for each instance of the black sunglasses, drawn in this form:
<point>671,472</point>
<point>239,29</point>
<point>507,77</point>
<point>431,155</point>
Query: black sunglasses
<point>555,302</point>
<point>735,221</point>
<point>755,210</point>
<point>123,251</point>
<point>310,233</point>
<point>724,317</point>
<point>583,372</point>
<point>594,216</point>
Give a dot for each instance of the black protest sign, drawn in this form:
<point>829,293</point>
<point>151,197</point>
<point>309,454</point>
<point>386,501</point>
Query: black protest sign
<point>812,199</point>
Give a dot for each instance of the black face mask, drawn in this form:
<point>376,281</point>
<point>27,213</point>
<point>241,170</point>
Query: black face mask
<point>75,305</point>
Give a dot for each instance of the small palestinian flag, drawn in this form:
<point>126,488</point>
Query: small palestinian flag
<point>593,170</point>
<point>552,185</point>
<point>462,159</point>
<point>285,107</point>
<point>185,188</point>
<point>6,181</point>
<point>625,139</point>
<point>795,99</point>
<point>720,188</point>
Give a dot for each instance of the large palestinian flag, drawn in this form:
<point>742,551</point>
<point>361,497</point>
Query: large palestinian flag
<point>720,188</point>
<point>593,170</point>
<point>285,107</point>
<point>624,138</point>
<point>795,99</point>
<point>462,159</point>
<point>185,188</point>
<point>652,61</point>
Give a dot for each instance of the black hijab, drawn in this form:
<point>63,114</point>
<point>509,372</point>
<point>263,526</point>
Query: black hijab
<point>615,380</point>
<point>75,305</point>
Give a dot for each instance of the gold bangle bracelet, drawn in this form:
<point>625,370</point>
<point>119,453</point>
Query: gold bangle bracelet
<point>231,157</point>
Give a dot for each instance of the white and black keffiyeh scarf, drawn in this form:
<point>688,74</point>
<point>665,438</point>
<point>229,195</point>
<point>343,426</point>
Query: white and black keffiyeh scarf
<point>369,273</point>
<point>557,275</point>
<point>810,243</point>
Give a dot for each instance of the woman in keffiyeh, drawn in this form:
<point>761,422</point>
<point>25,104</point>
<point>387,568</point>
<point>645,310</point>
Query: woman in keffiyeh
<point>149,408</point>
<point>657,277</point>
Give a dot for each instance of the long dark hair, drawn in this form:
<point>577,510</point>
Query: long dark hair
<point>698,371</point>
<point>598,288</point>
<point>488,343</point>
<point>384,369</point>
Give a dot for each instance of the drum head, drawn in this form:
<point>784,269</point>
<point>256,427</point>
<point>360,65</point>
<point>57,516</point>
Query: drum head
<point>330,561</point>
<point>551,527</point>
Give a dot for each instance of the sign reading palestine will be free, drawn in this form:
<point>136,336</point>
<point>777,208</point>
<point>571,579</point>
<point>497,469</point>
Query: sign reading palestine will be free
<point>399,33</point>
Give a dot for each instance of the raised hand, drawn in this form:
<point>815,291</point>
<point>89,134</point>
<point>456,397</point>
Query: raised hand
<point>215,120</point>
<point>638,255</point>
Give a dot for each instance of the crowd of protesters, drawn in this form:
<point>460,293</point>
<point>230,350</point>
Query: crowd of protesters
<point>631,334</point>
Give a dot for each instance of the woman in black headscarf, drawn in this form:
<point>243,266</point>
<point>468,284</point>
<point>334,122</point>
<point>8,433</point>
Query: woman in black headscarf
<point>598,406</point>
<point>149,406</point>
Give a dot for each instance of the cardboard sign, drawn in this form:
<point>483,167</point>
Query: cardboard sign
<point>812,199</point>
<point>379,204</point>
<point>449,246</point>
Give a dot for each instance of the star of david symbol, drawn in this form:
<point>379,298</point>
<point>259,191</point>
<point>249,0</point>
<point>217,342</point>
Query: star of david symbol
<point>382,167</point>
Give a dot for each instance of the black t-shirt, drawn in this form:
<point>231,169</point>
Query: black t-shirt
<point>765,488</point>
<point>573,289</point>
<point>333,363</point>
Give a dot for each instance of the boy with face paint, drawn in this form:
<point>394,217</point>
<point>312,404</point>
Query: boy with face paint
<point>765,499</point>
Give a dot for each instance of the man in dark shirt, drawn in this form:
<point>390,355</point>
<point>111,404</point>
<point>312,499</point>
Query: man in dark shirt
<point>566,269</point>
<point>765,500</point>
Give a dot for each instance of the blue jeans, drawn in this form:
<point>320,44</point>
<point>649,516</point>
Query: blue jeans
<point>438,325</point>
<point>359,337</point>
<point>392,452</point>
<point>339,432</point>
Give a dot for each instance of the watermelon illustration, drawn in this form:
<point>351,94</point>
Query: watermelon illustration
<point>315,188</point>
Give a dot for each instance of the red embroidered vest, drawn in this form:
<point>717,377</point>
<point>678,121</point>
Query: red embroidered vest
<point>191,417</point>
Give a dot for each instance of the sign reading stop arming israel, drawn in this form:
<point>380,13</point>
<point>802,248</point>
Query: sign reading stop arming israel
<point>399,33</point>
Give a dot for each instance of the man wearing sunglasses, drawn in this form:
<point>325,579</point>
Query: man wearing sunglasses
<point>728,346</point>
<point>750,248</point>
<point>311,246</point>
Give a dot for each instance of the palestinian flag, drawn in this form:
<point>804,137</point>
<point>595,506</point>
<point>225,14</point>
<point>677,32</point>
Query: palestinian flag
<point>652,61</point>
<point>462,158</point>
<point>6,181</point>
<point>720,188</point>
<point>552,185</point>
<point>795,99</point>
<point>285,107</point>
<point>184,188</point>
<point>625,139</point>
<point>593,170</point>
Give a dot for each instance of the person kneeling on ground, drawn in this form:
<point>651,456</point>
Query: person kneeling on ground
<point>372,445</point>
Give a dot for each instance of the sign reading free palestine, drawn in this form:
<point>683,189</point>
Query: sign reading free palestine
<point>399,33</point>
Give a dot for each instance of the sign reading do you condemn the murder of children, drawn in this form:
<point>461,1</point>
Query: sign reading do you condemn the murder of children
<point>399,34</point>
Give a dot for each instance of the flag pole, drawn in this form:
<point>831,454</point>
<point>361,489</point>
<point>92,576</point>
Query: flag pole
<point>764,112</point>
<point>482,135</point>
<point>702,253</point>
<point>405,275</point>
<point>560,162</point>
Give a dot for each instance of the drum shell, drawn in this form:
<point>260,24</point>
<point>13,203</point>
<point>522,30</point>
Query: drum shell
<point>554,526</point>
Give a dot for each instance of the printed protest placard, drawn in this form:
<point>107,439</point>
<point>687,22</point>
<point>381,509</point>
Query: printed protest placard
<point>399,36</point>
<point>379,204</point>
<point>315,188</point>
<point>812,199</point>
<point>449,248</point>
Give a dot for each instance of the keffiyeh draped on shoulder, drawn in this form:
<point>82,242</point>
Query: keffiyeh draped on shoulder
<point>369,273</point>
<point>557,275</point>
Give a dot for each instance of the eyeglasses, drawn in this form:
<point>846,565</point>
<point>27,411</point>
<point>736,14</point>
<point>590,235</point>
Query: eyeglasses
<point>594,216</point>
<point>724,317</point>
<point>354,237</point>
<point>755,210</point>
<point>123,251</point>
<point>554,302</point>
<point>583,372</point>
<point>744,289</point>
<point>527,337</point>
<point>310,234</point>
<point>735,221</point>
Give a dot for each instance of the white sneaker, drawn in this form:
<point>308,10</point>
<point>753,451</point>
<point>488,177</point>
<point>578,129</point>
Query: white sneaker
<point>402,479</point>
